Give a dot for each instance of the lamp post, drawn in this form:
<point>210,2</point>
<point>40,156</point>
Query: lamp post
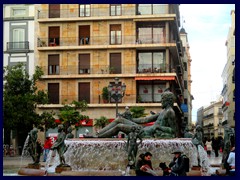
<point>116,91</point>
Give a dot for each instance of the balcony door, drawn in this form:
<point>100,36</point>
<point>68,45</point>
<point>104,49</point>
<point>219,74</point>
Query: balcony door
<point>54,36</point>
<point>18,38</point>
<point>54,11</point>
<point>84,35</point>
<point>84,92</point>
<point>53,93</point>
<point>115,63</point>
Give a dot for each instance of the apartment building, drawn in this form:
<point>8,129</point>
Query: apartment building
<point>228,76</point>
<point>212,120</point>
<point>82,48</point>
<point>18,45</point>
<point>186,105</point>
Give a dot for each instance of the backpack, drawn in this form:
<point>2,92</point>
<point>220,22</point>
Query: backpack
<point>186,162</point>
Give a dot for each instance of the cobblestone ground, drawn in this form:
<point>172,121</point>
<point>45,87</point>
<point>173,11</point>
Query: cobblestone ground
<point>11,165</point>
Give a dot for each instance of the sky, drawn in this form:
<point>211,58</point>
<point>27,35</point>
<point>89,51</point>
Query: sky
<point>207,27</point>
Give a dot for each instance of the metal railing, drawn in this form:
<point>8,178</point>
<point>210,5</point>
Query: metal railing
<point>130,98</point>
<point>102,40</point>
<point>98,69</point>
<point>18,46</point>
<point>105,11</point>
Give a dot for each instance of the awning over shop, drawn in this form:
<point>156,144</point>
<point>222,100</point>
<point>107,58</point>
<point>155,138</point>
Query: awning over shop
<point>163,78</point>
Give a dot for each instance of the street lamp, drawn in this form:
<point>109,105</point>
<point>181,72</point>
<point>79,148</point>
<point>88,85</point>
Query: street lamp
<point>116,91</point>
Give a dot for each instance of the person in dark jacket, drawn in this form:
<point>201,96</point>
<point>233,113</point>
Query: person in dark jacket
<point>177,164</point>
<point>144,165</point>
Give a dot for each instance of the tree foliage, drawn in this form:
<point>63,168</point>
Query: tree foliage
<point>138,111</point>
<point>70,114</point>
<point>101,122</point>
<point>20,98</point>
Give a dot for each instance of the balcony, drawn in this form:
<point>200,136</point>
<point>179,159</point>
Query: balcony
<point>105,40</point>
<point>160,9</point>
<point>149,70</point>
<point>18,47</point>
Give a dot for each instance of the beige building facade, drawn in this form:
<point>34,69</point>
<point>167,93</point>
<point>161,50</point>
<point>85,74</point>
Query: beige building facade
<point>228,76</point>
<point>82,48</point>
<point>212,120</point>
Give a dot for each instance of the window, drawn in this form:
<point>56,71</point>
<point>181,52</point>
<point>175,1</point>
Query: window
<point>144,9</point>
<point>150,91</point>
<point>115,34</point>
<point>115,63</point>
<point>54,36</point>
<point>185,85</point>
<point>53,93</point>
<point>18,38</point>
<point>19,12</point>
<point>151,62</point>
<point>115,10</point>
<point>84,63</point>
<point>84,92</point>
<point>53,64</point>
<point>151,33</point>
<point>84,10</point>
<point>54,11</point>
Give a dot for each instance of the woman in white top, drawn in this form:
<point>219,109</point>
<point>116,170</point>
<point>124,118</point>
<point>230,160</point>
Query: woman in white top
<point>231,161</point>
<point>209,146</point>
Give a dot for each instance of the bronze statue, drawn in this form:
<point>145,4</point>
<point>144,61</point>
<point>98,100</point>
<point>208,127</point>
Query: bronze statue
<point>197,137</point>
<point>32,145</point>
<point>59,145</point>
<point>164,126</point>
<point>127,114</point>
<point>187,134</point>
<point>69,134</point>
<point>132,145</point>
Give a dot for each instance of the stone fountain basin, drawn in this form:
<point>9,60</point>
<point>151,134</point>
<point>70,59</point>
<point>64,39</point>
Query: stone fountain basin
<point>110,154</point>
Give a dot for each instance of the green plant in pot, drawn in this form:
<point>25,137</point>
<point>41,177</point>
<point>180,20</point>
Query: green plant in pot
<point>105,95</point>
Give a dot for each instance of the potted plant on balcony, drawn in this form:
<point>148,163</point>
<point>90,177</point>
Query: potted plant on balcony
<point>105,95</point>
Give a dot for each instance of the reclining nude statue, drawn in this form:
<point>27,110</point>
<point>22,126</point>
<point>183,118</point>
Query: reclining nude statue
<point>164,126</point>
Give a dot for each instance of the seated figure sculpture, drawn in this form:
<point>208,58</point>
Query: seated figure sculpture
<point>164,126</point>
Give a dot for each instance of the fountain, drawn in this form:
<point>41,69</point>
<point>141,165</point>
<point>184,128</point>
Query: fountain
<point>108,156</point>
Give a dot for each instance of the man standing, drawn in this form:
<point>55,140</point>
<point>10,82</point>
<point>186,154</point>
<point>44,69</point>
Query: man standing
<point>47,146</point>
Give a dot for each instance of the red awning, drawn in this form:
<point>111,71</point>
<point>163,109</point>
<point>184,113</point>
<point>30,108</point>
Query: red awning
<point>163,78</point>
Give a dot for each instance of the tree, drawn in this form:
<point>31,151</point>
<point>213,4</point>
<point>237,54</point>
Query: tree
<point>20,98</point>
<point>101,122</point>
<point>70,114</point>
<point>137,111</point>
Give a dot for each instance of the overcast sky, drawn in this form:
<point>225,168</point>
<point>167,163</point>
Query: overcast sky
<point>207,27</point>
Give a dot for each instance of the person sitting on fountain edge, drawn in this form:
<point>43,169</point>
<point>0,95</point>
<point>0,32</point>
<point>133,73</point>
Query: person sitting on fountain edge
<point>144,165</point>
<point>164,126</point>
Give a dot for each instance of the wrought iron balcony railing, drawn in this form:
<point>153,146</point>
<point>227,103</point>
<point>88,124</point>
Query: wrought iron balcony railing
<point>22,46</point>
<point>157,9</point>
<point>102,40</point>
<point>97,69</point>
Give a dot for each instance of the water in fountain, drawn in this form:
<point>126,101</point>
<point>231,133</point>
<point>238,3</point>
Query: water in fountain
<point>110,154</point>
<point>25,152</point>
<point>52,161</point>
<point>127,171</point>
